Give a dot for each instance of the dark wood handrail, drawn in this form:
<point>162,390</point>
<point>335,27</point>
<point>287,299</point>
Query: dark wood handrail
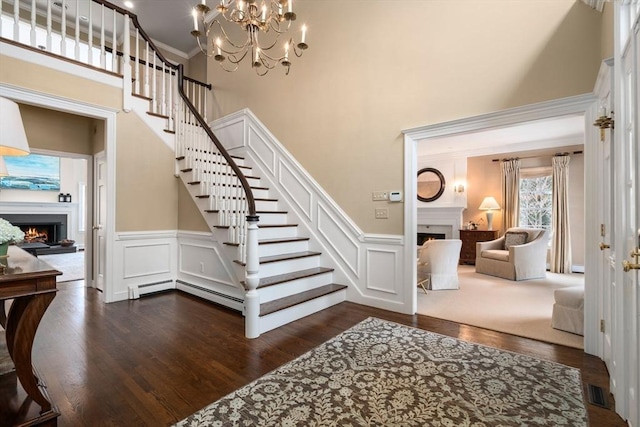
<point>251,203</point>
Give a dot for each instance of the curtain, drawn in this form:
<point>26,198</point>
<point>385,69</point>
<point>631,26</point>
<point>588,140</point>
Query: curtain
<point>510,193</point>
<point>561,238</point>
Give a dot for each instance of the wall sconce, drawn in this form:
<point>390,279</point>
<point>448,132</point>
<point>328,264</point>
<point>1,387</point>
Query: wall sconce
<point>458,188</point>
<point>14,138</point>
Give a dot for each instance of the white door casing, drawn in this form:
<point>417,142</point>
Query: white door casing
<point>99,222</point>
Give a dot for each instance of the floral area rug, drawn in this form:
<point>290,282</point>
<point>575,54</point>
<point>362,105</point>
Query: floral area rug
<point>382,373</point>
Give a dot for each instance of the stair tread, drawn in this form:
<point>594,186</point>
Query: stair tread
<point>282,240</point>
<point>289,277</point>
<point>170,131</point>
<point>162,116</point>
<point>141,97</point>
<point>283,257</point>
<point>276,225</point>
<point>290,301</point>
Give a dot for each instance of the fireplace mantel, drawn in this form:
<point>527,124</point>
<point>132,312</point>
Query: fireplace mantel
<point>68,209</point>
<point>442,216</point>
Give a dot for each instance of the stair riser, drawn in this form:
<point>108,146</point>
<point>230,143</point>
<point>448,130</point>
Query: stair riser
<point>274,232</point>
<point>283,248</point>
<point>282,317</point>
<point>273,218</point>
<point>266,205</point>
<point>273,268</point>
<point>293,287</point>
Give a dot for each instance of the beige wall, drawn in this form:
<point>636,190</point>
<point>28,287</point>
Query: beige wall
<point>375,68</point>
<point>189,216</point>
<point>147,191</point>
<point>57,131</point>
<point>483,179</point>
<point>606,47</point>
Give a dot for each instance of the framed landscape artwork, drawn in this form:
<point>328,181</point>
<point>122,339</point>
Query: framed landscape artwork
<point>32,172</point>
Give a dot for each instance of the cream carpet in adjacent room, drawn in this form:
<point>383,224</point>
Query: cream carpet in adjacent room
<point>71,265</point>
<point>519,308</point>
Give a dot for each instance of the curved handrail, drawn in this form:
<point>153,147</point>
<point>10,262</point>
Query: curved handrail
<point>251,204</point>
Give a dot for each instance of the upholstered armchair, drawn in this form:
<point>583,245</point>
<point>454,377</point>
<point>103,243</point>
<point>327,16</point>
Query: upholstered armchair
<point>439,259</point>
<point>520,254</point>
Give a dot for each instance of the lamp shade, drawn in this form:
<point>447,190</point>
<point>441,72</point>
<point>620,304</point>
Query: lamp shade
<point>3,167</point>
<point>489,203</point>
<point>13,139</point>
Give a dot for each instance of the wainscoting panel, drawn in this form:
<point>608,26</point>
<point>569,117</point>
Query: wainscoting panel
<point>262,150</point>
<point>383,270</point>
<point>232,133</point>
<point>204,270</point>
<point>146,259</point>
<point>204,262</point>
<point>300,194</point>
<point>141,259</point>
<point>346,247</point>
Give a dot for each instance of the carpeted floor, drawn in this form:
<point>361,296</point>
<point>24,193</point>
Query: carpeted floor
<point>71,265</point>
<point>521,308</point>
<point>382,373</point>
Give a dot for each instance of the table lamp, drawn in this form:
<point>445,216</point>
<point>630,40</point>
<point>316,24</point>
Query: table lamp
<point>489,204</point>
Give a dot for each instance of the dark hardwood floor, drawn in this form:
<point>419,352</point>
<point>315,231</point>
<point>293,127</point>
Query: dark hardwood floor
<point>154,361</point>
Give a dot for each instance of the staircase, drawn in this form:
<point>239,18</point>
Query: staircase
<point>292,282</point>
<point>281,278</point>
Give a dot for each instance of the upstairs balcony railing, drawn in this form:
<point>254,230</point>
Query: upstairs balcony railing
<point>103,36</point>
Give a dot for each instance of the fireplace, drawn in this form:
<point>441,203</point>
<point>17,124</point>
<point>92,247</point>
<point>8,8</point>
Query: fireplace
<point>423,237</point>
<point>40,228</point>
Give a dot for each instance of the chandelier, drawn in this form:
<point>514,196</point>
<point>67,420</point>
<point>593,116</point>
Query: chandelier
<point>268,21</point>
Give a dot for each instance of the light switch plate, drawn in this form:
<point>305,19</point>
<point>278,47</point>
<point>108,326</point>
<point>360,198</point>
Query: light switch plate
<point>382,213</point>
<point>379,196</point>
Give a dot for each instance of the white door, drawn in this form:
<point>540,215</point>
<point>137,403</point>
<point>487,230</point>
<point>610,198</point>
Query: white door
<point>627,216</point>
<point>100,216</point>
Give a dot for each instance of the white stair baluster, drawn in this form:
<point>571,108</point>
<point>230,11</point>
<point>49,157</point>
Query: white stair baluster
<point>32,33</point>
<point>90,35</point>
<point>63,29</point>
<point>137,64</point>
<point>76,47</point>
<point>114,45</point>
<point>49,41</point>
<point>103,53</point>
<point>146,70</point>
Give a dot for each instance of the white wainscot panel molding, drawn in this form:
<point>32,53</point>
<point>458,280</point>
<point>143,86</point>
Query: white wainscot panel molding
<point>383,270</point>
<point>231,133</point>
<point>146,259</point>
<point>204,262</point>
<point>339,239</point>
<point>300,194</point>
<point>263,151</point>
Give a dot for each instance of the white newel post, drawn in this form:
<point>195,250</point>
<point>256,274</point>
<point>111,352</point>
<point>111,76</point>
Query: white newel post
<point>252,279</point>
<point>126,66</point>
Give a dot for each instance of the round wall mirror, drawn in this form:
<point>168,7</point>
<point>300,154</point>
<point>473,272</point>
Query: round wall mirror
<point>430,184</point>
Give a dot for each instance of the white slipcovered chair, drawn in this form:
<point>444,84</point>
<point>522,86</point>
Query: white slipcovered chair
<point>520,254</point>
<point>439,259</point>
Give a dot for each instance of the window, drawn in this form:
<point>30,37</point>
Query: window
<point>536,202</point>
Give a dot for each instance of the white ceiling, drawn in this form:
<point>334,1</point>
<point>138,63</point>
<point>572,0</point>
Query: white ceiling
<point>549,133</point>
<point>167,21</point>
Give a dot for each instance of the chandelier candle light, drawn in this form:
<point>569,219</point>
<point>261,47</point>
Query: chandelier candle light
<point>268,18</point>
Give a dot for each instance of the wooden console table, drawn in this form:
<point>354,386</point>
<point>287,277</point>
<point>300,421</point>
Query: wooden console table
<point>31,284</point>
<point>469,239</point>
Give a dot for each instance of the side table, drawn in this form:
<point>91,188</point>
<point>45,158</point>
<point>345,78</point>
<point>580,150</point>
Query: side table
<point>469,239</point>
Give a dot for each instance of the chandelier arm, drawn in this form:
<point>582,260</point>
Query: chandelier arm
<point>276,25</point>
<point>234,59</point>
<point>202,49</point>
<point>228,39</point>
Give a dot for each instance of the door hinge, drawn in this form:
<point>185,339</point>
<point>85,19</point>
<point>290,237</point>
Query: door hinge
<point>602,230</point>
<point>602,325</point>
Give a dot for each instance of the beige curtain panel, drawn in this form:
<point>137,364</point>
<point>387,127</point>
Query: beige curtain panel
<point>561,240</point>
<point>510,193</point>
